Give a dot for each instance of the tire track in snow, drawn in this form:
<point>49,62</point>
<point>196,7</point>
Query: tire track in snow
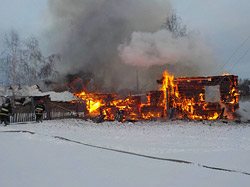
<point>131,153</point>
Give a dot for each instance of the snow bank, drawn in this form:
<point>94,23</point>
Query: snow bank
<point>27,158</point>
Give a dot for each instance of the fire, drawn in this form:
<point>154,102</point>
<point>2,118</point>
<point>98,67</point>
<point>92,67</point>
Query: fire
<point>94,106</point>
<point>181,98</point>
<point>202,97</point>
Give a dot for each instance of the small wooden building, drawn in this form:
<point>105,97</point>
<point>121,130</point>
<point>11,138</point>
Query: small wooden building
<point>24,99</point>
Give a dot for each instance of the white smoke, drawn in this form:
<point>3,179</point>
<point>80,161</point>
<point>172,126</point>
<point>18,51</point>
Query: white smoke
<point>158,48</point>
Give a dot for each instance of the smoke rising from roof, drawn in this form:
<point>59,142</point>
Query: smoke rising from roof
<point>88,34</point>
<point>160,47</point>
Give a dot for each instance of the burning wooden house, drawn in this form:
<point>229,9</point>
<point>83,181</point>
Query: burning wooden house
<point>203,97</point>
<point>195,98</point>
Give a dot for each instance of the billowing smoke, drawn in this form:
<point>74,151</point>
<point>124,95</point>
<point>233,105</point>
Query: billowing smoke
<point>160,48</point>
<point>90,35</point>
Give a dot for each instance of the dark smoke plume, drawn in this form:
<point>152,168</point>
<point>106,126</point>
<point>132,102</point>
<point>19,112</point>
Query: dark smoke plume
<point>88,34</point>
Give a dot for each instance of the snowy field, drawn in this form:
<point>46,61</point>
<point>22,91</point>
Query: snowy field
<point>37,157</point>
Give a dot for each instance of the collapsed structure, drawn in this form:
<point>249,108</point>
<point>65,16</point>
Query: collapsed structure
<point>196,98</point>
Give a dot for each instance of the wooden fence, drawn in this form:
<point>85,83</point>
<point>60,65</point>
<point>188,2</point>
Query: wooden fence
<point>53,111</point>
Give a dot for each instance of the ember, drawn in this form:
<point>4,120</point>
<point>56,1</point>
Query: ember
<point>193,98</point>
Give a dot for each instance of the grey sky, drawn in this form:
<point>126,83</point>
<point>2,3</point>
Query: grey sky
<point>224,25</point>
<point>25,16</point>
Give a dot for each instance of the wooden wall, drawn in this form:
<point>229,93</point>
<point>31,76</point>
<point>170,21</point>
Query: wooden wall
<point>54,110</point>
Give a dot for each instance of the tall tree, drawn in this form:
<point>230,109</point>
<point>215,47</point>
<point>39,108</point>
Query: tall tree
<point>12,44</point>
<point>174,24</point>
<point>47,70</point>
<point>35,54</point>
<point>23,62</point>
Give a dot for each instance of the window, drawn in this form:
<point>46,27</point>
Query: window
<point>212,94</point>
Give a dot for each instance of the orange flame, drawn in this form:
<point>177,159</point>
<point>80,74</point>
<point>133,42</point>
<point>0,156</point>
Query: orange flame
<point>167,98</point>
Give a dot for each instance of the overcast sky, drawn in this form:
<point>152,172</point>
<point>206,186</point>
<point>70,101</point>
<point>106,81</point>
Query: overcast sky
<point>25,16</point>
<point>223,24</point>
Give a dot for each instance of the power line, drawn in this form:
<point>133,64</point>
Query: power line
<point>240,58</point>
<point>235,51</point>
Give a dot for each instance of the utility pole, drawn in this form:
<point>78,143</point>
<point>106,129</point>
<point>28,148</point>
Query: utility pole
<point>33,47</point>
<point>137,81</point>
<point>13,63</point>
<point>35,63</point>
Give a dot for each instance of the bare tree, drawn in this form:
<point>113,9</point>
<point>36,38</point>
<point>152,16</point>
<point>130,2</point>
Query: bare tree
<point>174,25</point>
<point>244,86</point>
<point>23,62</point>
<point>13,44</point>
<point>5,71</point>
<point>35,54</point>
<point>47,70</point>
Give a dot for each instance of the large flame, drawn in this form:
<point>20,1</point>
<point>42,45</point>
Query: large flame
<point>162,102</point>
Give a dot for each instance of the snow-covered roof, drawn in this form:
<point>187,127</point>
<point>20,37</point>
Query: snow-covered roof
<point>29,91</point>
<point>62,96</point>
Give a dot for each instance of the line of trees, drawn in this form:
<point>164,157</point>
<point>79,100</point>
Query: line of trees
<point>22,62</point>
<point>244,86</point>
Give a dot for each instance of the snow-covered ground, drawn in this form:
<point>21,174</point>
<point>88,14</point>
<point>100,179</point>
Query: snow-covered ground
<point>42,160</point>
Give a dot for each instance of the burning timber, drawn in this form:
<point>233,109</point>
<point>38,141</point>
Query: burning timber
<point>195,98</point>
